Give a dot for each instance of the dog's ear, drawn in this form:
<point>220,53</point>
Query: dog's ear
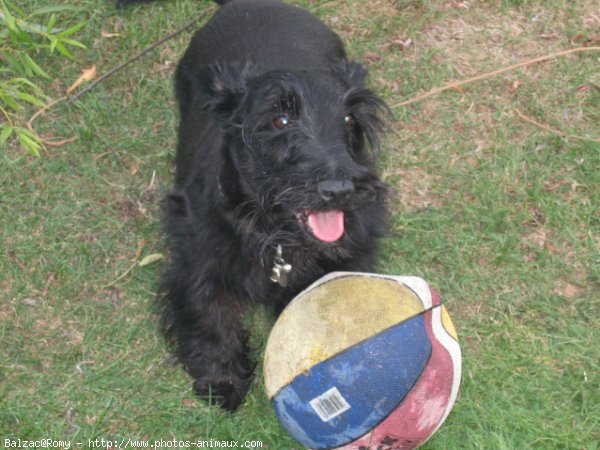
<point>366,107</point>
<point>225,86</point>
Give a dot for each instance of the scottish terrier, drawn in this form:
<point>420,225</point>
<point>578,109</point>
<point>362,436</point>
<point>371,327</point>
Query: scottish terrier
<point>275,182</point>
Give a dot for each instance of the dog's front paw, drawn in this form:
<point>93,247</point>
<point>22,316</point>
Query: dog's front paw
<point>228,394</point>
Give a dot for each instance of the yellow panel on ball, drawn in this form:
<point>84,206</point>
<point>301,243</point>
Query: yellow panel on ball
<point>447,323</point>
<point>310,333</point>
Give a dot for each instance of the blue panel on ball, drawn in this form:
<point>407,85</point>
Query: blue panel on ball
<point>372,377</point>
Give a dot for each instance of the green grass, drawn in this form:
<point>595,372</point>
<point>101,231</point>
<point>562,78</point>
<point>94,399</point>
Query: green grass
<point>501,216</point>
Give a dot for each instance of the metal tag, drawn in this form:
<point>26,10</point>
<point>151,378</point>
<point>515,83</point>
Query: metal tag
<point>281,269</point>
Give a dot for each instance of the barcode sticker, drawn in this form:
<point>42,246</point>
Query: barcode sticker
<point>330,404</point>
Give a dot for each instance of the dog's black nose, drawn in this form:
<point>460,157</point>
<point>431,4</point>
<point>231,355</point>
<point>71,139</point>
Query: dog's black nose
<point>335,189</point>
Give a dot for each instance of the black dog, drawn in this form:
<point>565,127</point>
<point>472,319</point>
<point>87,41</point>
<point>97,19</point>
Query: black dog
<point>275,185</point>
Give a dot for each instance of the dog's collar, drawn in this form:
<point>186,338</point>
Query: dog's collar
<point>281,269</point>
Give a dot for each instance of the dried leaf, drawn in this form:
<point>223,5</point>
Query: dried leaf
<point>86,75</point>
<point>151,259</point>
<point>106,34</point>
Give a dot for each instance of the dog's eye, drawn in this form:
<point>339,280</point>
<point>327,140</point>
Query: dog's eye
<point>282,121</point>
<point>349,120</point>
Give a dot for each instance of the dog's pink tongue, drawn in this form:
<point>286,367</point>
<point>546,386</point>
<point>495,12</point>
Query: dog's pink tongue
<point>327,226</point>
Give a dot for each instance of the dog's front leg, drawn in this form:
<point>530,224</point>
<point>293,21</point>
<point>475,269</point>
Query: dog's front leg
<point>212,345</point>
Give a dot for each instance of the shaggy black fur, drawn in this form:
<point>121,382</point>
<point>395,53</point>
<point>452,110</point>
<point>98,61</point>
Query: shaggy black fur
<point>275,125</point>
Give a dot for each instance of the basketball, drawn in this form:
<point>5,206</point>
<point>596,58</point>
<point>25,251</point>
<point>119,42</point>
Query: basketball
<point>363,361</point>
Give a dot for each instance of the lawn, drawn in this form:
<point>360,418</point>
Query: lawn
<point>496,202</point>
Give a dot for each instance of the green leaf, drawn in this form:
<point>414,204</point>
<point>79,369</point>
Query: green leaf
<point>34,66</point>
<point>14,63</point>
<point>7,131</point>
<point>29,134</point>
<point>7,17</point>
<point>51,23</point>
<point>72,30</point>
<point>30,142</point>
<point>28,98</point>
<point>26,69</point>
<point>26,82</point>
<point>73,43</point>
<point>14,7</point>
<point>10,102</point>
<point>55,9</point>
<point>53,43</point>
<point>63,50</point>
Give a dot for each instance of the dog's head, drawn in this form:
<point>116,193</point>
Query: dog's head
<point>299,150</point>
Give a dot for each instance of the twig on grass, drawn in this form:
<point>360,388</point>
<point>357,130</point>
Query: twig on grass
<point>554,130</point>
<point>48,142</point>
<point>456,84</point>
